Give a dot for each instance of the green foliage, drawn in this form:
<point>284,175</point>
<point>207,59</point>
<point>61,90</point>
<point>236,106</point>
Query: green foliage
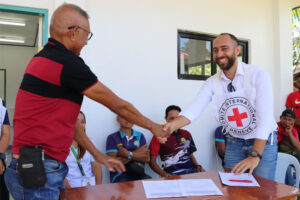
<point>296,35</point>
<point>197,70</point>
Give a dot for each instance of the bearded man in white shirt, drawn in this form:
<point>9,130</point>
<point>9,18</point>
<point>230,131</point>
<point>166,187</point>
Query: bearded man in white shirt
<point>243,99</point>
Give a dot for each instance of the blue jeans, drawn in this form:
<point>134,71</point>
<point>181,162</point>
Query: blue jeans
<point>56,173</point>
<point>4,195</point>
<point>239,149</point>
<point>289,177</point>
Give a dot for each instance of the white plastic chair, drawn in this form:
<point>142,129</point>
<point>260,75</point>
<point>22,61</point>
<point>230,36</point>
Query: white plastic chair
<point>283,162</point>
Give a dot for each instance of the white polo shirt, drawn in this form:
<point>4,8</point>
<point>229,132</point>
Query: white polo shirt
<point>3,113</point>
<point>74,175</point>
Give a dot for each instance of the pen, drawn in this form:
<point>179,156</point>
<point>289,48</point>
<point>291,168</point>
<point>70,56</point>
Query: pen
<point>241,181</point>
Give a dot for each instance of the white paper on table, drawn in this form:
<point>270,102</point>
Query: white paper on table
<point>180,188</point>
<point>199,187</point>
<point>226,177</point>
<point>162,189</point>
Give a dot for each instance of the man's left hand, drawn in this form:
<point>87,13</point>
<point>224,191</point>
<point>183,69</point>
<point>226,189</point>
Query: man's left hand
<point>110,163</point>
<point>248,163</point>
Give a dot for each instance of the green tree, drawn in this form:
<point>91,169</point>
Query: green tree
<point>296,35</point>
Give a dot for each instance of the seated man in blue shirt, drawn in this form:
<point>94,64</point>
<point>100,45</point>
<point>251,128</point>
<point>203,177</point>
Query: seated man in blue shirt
<point>129,146</point>
<point>220,142</point>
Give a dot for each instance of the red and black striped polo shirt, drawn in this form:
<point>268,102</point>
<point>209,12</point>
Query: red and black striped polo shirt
<point>49,100</point>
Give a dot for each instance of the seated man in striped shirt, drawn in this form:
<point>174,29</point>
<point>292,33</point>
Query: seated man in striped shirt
<point>176,153</point>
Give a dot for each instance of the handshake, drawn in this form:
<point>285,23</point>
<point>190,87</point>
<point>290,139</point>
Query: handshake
<point>162,132</point>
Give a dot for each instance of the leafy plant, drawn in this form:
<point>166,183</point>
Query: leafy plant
<point>296,35</point>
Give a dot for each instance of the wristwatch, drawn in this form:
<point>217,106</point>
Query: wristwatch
<point>130,155</point>
<point>256,154</point>
<point>2,156</point>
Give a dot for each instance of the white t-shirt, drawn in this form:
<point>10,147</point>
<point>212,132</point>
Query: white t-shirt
<point>2,114</point>
<point>74,175</point>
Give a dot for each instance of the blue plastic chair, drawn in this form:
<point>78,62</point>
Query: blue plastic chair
<point>283,162</point>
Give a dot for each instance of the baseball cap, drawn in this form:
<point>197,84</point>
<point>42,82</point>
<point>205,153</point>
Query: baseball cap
<point>288,113</point>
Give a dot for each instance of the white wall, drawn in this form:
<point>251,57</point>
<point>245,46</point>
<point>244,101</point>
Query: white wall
<point>295,3</point>
<point>134,52</point>
<point>283,61</point>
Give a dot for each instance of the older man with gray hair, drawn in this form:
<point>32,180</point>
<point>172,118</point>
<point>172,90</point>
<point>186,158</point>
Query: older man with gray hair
<point>47,106</point>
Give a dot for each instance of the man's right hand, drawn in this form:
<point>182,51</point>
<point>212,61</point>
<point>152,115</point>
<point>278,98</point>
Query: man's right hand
<point>289,129</point>
<point>168,127</point>
<point>175,124</point>
<point>158,131</point>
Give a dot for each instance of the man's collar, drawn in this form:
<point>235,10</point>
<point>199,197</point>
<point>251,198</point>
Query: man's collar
<point>134,133</point>
<point>53,42</point>
<point>239,71</point>
<point>177,133</point>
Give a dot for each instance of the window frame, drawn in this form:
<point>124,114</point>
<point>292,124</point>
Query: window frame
<point>204,37</point>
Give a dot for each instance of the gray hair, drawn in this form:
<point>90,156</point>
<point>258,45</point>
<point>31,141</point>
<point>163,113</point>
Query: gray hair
<point>76,8</point>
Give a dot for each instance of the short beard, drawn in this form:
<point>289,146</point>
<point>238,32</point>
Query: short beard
<point>229,65</point>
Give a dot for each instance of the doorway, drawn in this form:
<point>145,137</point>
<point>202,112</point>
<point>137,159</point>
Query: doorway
<point>23,32</point>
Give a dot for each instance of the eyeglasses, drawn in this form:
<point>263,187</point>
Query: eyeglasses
<point>230,87</point>
<point>90,34</point>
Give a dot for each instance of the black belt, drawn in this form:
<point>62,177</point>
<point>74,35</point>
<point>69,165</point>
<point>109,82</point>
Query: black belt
<point>47,157</point>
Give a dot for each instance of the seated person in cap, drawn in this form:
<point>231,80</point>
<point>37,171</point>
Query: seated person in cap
<point>288,141</point>
<point>176,153</point>
<point>220,142</point>
<point>83,169</point>
<point>129,146</point>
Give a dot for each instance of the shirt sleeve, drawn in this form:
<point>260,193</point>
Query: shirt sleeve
<point>192,148</point>
<point>204,97</point>
<point>142,140</point>
<point>219,136</point>
<point>154,146</point>
<point>77,75</point>
<point>264,105</point>
<point>6,118</point>
<point>111,144</point>
<point>289,102</point>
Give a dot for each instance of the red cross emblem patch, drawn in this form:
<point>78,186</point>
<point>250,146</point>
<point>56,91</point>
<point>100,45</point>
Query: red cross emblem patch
<point>238,116</point>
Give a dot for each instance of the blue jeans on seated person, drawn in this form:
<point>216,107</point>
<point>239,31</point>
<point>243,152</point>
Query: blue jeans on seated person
<point>290,179</point>
<point>56,173</point>
<point>239,149</point>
